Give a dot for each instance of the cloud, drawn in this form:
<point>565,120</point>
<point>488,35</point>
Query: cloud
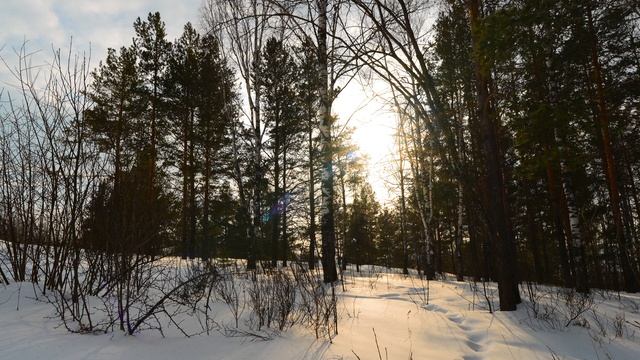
<point>30,19</point>
<point>107,24</point>
<point>111,7</point>
<point>93,24</point>
<point>102,23</point>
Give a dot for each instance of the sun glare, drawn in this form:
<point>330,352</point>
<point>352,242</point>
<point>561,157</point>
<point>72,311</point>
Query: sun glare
<point>374,128</point>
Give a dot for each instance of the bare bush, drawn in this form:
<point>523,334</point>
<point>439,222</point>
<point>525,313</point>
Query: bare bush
<point>317,304</point>
<point>619,325</point>
<point>272,299</point>
<point>576,304</point>
<point>233,295</point>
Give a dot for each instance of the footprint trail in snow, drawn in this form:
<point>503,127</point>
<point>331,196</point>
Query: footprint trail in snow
<point>475,339</point>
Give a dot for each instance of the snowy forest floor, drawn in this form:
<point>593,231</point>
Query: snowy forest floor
<point>382,315</point>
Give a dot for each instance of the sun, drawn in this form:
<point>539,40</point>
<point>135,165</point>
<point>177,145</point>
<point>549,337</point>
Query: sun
<point>374,134</point>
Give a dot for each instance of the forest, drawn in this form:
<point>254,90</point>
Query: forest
<point>516,160</point>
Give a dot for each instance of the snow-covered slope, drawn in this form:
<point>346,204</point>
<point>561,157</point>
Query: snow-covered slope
<point>382,316</point>
<point>453,325</point>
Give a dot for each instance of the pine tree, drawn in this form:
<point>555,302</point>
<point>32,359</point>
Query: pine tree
<point>114,119</point>
<point>351,168</point>
<point>153,52</point>
<point>361,247</point>
<point>502,239</point>
<point>182,89</point>
<point>278,75</point>
<point>308,98</point>
<point>217,105</point>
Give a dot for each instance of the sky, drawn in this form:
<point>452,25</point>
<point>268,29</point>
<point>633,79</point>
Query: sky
<point>362,107</point>
<point>96,25</point>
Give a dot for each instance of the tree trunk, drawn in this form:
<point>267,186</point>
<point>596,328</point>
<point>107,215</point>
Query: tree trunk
<point>500,235</point>
<point>257,176</point>
<point>343,262</point>
<point>429,239</point>
<point>554,194</point>
<point>275,207</point>
<point>634,196</point>
<point>185,190</point>
<point>422,193</point>
<point>561,201</point>
<point>154,125</point>
<point>458,239</point>
<point>458,261</point>
<point>192,186</point>
<point>534,240</point>
<point>206,183</point>
<point>312,199</point>
<point>574,224</point>
<point>245,216</point>
<point>403,204</point>
<point>630,280</point>
<point>327,225</point>
<point>285,204</point>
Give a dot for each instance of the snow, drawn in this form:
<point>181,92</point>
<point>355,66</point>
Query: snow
<point>383,315</point>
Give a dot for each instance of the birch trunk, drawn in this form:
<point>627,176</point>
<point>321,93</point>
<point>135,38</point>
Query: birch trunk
<point>312,200</point>
<point>327,225</point>
<point>574,224</point>
<point>403,205</point>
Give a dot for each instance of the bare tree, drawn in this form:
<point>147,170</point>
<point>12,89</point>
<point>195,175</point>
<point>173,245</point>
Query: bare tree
<point>396,51</point>
<point>241,27</point>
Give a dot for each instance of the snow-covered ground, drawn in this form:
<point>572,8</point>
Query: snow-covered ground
<point>382,316</point>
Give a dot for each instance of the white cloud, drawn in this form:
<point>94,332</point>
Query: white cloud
<point>109,23</point>
<point>95,24</point>
<point>110,7</point>
<point>31,19</point>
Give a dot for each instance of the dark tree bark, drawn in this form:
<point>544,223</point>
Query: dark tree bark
<point>558,229</point>
<point>602,122</point>
<point>501,238</point>
<point>275,208</point>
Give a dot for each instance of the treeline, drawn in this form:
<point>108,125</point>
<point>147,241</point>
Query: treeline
<point>516,138</point>
<point>175,105</point>
<point>557,86</point>
<point>171,160</point>
<point>519,123</point>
